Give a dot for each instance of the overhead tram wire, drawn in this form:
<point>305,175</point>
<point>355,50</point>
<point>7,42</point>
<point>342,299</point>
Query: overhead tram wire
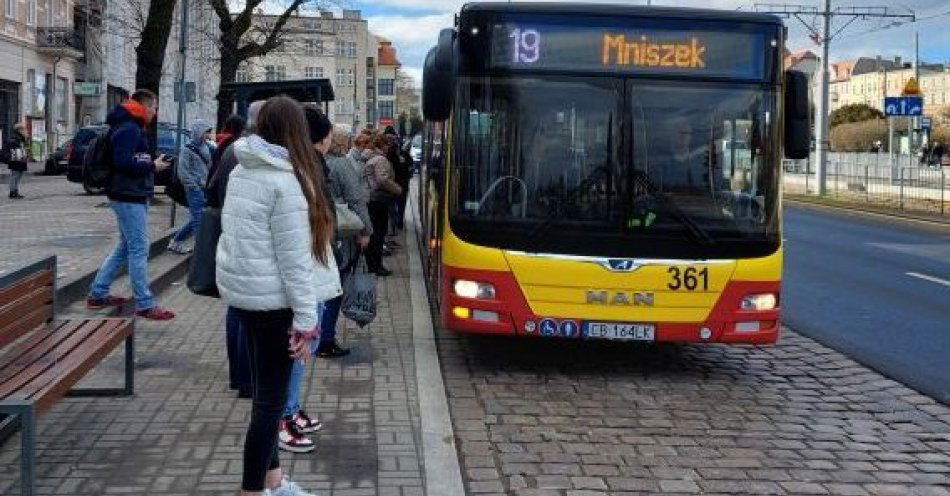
<point>825,36</point>
<point>897,24</point>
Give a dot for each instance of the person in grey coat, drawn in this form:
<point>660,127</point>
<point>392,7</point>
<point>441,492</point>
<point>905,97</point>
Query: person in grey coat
<point>345,186</point>
<point>193,173</point>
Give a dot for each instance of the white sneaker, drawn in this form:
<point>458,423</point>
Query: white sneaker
<point>288,488</point>
<point>176,247</point>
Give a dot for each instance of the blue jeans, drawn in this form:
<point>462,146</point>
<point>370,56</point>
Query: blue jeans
<point>196,205</point>
<point>331,314</point>
<point>239,366</point>
<point>132,249</point>
<point>299,370</point>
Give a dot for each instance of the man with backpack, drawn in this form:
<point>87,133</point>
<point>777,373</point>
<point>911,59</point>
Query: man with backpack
<point>192,171</point>
<point>123,164</point>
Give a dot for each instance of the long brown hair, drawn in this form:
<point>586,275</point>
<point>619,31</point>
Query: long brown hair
<point>282,122</point>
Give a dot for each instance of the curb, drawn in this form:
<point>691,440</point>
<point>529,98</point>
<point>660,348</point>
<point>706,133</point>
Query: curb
<point>76,290</point>
<point>856,209</point>
<point>443,473</point>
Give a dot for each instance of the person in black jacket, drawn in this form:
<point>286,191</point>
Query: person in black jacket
<point>16,155</point>
<point>223,163</point>
<point>130,188</point>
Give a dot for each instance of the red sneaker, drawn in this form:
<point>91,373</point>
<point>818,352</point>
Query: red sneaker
<point>291,439</point>
<point>108,301</point>
<point>156,313</point>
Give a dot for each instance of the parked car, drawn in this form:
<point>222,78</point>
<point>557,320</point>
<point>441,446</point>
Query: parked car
<point>56,162</point>
<point>80,144</point>
<point>415,149</point>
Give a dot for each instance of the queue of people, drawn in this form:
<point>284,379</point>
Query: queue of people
<point>279,181</point>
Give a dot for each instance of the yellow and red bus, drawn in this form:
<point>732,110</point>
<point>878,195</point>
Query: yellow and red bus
<point>608,172</point>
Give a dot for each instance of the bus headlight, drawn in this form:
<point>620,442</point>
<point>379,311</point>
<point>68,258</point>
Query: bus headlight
<point>474,290</point>
<point>759,302</point>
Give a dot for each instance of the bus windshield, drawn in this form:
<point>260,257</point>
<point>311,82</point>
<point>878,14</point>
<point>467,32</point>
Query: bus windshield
<point>616,167</point>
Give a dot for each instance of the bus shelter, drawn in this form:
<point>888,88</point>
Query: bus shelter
<point>303,90</point>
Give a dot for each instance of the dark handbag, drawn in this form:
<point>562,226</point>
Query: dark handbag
<point>201,273</point>
<point>359,294</point>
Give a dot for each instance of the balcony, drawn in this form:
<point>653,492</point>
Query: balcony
<point>60,42</point>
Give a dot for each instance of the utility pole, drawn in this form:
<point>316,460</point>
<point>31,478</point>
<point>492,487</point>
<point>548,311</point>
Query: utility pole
<point>182,96</point>
<point>824,37</point>
<point>821,114</point>
<point>916,140</point>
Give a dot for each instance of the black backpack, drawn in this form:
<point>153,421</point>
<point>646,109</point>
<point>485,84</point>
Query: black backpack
<point>176,189</point>
<point>97,162</point>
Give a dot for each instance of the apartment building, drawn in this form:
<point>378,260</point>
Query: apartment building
<point>330,46</point>
<point>387,71</point>
<point>870,80</point>
<point>41,44</point>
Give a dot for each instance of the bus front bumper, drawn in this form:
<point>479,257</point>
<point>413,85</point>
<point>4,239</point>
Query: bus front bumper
<point>509,313</point>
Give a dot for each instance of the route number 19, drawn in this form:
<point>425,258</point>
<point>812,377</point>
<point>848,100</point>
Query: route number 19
<point>525,46</point>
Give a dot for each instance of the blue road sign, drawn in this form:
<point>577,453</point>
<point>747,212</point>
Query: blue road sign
<point>926,123</point>
<point>903,105</point>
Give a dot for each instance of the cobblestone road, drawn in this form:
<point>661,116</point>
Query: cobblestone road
<point>182,434</point>
<point>579,419</point>
<point>58,218</point>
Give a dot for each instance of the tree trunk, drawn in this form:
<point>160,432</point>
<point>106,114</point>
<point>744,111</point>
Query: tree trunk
<point>229,66</point>
<point>150,53</point>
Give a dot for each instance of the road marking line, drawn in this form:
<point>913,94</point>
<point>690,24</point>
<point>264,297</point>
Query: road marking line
<point>929,278</point>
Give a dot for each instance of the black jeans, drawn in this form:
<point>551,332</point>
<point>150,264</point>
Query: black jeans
<point>267,346</point>
<point>379,215</point>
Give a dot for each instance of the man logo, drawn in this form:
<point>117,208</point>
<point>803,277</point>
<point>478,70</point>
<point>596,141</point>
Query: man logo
<point>621,265</point>
<point>600,297</point>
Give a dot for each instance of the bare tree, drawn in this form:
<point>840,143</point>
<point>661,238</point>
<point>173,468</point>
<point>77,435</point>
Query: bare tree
<point>242,39</point>
<point>150,52</point>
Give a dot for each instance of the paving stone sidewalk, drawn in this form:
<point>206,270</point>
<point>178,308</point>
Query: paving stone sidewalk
<point>58,218</point>
<point>182,433</point>
<point>545,418</point>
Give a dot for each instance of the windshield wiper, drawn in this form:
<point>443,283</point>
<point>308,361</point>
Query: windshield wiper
<point>696,233</point>
<point>542,227</point>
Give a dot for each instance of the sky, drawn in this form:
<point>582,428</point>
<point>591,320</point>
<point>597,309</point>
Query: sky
<point>413,26</point>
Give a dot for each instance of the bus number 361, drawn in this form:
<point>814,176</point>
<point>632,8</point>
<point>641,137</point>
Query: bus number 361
<point>689,278</point>
<point>526,45</point>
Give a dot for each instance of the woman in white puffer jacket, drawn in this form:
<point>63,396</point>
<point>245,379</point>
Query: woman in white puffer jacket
<point>274,264</point>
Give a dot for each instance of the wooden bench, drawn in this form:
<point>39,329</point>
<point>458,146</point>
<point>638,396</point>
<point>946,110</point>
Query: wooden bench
<point>42,358</point>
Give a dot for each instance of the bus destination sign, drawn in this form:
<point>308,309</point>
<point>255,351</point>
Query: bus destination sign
<point>645,50</point>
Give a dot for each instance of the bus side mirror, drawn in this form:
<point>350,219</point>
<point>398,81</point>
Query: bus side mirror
<point>438,78</point>
<point>797,126</point>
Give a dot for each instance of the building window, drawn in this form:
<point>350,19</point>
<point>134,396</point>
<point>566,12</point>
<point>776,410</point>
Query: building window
<point>11,9</point>
<point>313,72</point>
<point>343,107</point>
<point>30,91</point>
<point>242,76</point>
<point>387,87</point>
<point>386,110</point>
<point>344,77</point>
<point>313,48</point>
<point>275,73</point>
<point>346,49</point>
<point>62,110</point>
<point>31,12</point>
